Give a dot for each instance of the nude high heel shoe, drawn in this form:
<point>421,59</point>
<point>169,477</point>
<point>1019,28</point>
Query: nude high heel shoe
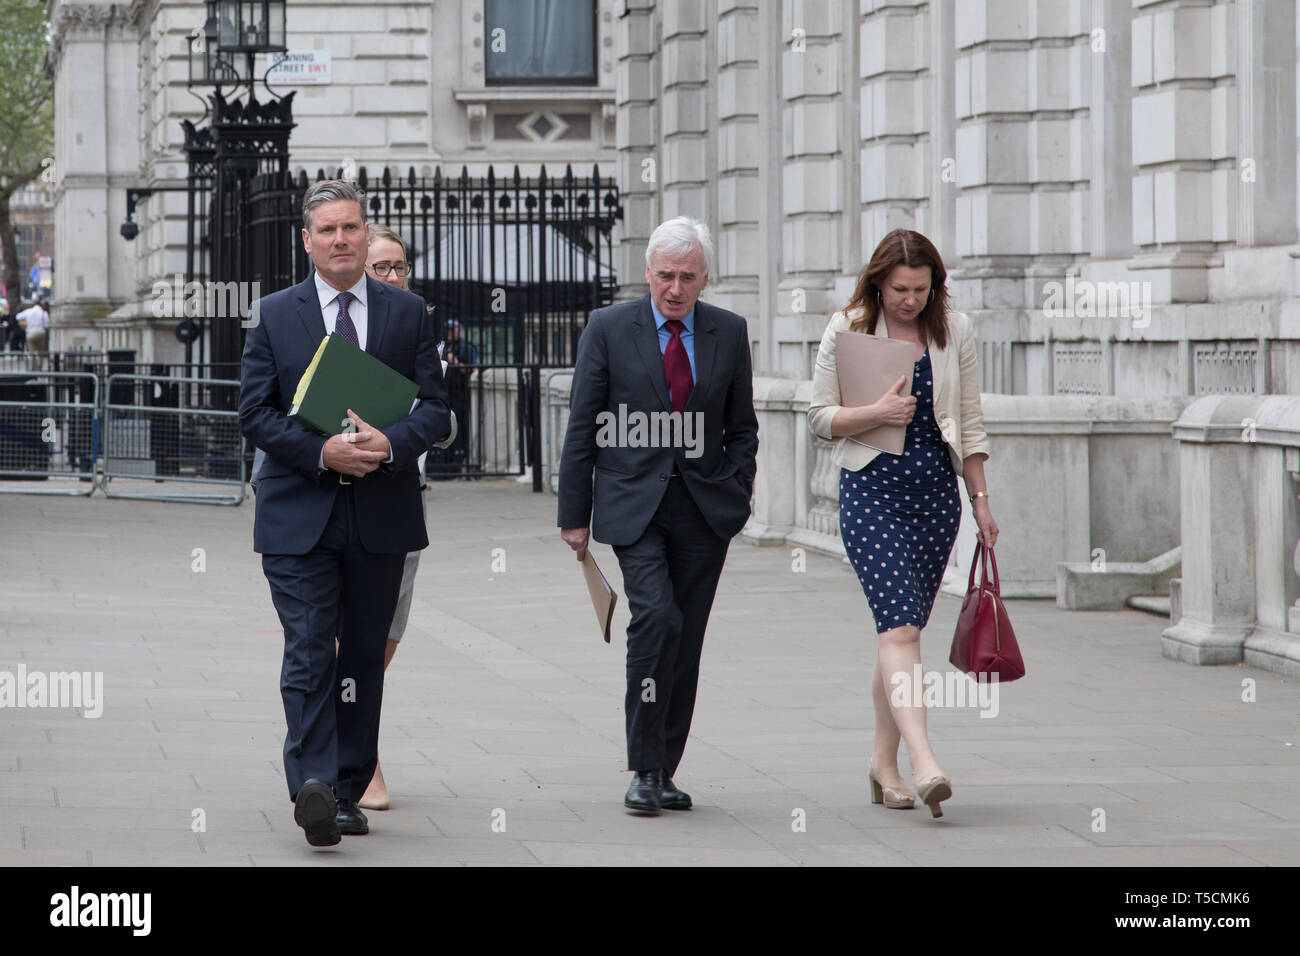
<point>891,798</point>
<point>933,791</point>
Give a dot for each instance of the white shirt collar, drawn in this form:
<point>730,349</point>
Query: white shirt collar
<point>327,293</point>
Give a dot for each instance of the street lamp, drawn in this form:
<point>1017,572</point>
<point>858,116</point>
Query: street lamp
<point>251,26</point>
<point>235,27</point>
<point>242,139</point>
<point>207,66</point>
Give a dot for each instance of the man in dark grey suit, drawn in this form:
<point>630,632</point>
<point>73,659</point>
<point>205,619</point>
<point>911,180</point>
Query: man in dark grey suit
<point>659,460</point>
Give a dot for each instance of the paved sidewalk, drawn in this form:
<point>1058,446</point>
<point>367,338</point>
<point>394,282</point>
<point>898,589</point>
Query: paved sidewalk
<point>502,733</point>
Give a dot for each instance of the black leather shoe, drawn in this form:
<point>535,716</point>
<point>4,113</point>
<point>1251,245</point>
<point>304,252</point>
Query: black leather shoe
<point>314,809</point>
<point>351,821</point>
<point>643,795</point>
<point>670,798</point>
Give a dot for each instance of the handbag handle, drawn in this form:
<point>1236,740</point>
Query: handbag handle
<point>984,557</point>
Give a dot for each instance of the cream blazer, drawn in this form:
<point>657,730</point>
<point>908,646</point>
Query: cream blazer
<point>957,409</point>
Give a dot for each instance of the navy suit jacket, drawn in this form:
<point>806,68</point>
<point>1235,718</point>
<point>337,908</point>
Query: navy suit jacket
<point>619,363</point>
<point>294,498</point>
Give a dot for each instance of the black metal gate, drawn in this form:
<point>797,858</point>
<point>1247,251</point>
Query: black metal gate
<point>510,268</point>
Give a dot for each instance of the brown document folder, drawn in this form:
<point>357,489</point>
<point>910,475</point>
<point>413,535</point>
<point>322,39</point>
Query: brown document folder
<point>603,597</point>
<point>868,366</point>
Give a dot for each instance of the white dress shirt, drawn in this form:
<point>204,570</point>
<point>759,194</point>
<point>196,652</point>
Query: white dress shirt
<point>38,320</point>
<point>357,311</point>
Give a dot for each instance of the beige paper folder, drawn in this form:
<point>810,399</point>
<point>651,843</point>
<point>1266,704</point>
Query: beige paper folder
<point>603,597</point>
<point>868,366</point>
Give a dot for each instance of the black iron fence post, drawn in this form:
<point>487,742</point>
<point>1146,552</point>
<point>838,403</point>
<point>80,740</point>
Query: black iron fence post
<point>535,424</point>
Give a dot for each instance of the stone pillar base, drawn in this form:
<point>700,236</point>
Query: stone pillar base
<point>816,541</point>
<point>1193,642</point>
<point>1275,651</point>
<point>765,535</point>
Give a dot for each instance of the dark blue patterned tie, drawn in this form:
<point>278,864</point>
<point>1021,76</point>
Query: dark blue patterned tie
<point>343,324</point>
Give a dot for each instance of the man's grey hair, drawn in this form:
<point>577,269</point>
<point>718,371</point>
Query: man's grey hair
<point>328,190</point>
<point>680,237</point>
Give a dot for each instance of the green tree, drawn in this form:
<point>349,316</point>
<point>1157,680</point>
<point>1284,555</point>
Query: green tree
<point>26,115</point>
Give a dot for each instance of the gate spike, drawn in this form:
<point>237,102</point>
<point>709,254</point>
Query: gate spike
<point>387,178</point>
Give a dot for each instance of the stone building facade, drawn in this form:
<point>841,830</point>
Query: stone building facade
<point>409,88</point>
<point>1112,183</point>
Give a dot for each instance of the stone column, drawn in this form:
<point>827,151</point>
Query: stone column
<point>637,139</point>
<point>1218,504</point>
<point>1110,131</point>
<point>1266,123</point>
<point>941,206</point>
<point>994,115</point>
<point>738,92</point>
<point>687,165</point>
<point>1183,183</point>
<point>93,54</point>
<point>812,186</point>
<point>771,50</point>
<point>895,121</point>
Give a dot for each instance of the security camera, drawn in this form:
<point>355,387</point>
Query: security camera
<point>129,230</point>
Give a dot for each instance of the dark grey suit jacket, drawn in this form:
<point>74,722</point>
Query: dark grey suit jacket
<point>615,487</point>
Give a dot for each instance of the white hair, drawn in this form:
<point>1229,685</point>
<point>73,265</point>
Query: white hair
<point>680,237</point>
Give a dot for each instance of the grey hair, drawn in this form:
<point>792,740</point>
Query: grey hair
<point>329,190</point>
<point>679,237</point>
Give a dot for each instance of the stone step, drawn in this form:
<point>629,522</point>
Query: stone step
<point>1151,603</point>
<point>1107,585</point>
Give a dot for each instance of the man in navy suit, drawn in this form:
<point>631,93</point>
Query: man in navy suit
<point>659,459</point>
<point>336,517</point>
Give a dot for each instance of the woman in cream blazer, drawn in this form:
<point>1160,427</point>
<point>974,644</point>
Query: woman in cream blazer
<point>899,513</point>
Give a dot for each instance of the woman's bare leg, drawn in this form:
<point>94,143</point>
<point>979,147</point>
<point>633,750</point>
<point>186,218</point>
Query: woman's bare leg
<point>900,651</point>
<point>376,795</point>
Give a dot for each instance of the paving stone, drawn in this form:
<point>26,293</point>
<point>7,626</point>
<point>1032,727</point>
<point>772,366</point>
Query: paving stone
<point>502,697</point>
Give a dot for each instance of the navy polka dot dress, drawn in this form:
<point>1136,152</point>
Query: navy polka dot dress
<point>899,516</point>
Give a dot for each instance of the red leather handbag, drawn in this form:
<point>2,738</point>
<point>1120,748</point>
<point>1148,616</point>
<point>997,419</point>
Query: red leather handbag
<point>984,643</point>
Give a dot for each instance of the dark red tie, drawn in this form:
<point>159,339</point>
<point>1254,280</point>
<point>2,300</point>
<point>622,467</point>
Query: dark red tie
<point>677,367</point>
<point>343,324</point>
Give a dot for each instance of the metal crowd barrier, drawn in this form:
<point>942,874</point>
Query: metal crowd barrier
<point>150,436</point>
<point>48,432</point>
<point>553,418</point>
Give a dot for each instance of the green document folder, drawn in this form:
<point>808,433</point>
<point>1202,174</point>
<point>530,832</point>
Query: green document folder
<point>342,376</point>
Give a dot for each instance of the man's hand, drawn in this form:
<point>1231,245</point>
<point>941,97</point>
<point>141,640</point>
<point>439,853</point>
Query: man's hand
<point>576,538</point>
<point>373,440</point>
<point>348,458</point>
<point>358,452</point>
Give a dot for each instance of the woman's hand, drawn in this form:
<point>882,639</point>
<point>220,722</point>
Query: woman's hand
<point>988,528</point>
<point>894,407</point>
